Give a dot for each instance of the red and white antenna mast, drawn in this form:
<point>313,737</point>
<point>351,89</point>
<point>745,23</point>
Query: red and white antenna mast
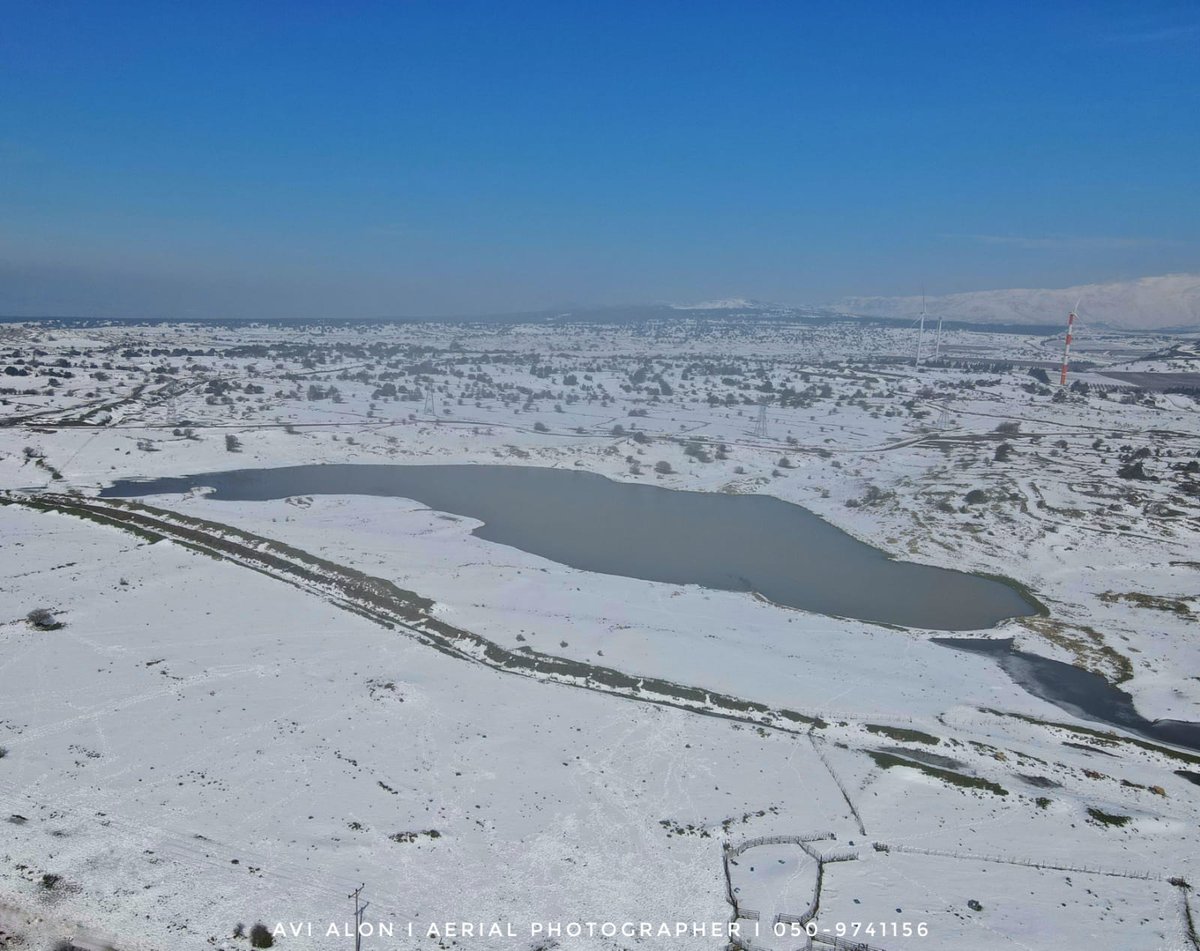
<point>1062,380</point>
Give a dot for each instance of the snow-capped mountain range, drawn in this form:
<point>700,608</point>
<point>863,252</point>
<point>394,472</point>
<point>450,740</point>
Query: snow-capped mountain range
<point>1169,302</point>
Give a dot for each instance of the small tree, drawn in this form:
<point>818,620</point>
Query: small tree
<point>541,428</point>
<point>232,443</point>
<point>695,449</point>
<point>663,468</point>
<point>260,937</point>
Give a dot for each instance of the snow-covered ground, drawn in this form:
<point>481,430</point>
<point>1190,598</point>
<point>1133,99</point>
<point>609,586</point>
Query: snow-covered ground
<point>201,745</point>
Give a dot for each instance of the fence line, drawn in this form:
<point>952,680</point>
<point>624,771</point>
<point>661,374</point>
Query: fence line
<point>838,782</point>
<point>1028,863</point>
<point>800,840</point>
<point>842,944</point>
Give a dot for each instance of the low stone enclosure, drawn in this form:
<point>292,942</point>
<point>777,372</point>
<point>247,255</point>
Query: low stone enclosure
<point>799,916</point>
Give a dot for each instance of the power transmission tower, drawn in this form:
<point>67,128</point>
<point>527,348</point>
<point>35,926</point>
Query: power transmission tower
<point>943,421</point>
<point>760,425</point>
<point>431,403</point>
<point>360,908</point>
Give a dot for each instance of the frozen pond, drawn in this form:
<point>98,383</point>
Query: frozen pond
<point>730,542</point>
<point>1077,691</point>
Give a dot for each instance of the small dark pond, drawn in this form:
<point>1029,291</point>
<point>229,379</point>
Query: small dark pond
<point>1076,690</point>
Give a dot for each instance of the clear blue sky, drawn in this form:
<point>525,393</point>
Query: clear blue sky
<point>352,159</point>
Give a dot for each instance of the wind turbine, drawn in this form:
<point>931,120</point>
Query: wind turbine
<point>921,331</point>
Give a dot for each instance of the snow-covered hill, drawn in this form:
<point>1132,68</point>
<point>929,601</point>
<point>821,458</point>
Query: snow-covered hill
<point>1151,303</point>
<point>732,303</point>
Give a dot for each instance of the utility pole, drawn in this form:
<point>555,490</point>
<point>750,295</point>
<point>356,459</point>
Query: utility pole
<point>360,908</point>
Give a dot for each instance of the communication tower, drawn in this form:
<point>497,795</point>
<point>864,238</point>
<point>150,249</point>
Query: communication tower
<point>1062,380</point>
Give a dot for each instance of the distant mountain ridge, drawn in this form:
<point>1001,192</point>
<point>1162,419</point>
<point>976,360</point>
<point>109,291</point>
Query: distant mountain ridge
<point>1169,302</point>
<point>733,303</point>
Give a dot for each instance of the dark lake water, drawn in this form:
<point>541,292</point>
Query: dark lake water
<point>729,542</point>
<point>1076,690</point>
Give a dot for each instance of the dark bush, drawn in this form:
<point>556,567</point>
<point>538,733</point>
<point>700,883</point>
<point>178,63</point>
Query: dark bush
<point>260,937</point>
<point>1135,470</point>
<point>43,619</point>
<point>1107,818</point>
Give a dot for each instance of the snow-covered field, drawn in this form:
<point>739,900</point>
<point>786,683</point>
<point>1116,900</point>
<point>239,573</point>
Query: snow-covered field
<point>201,745</point>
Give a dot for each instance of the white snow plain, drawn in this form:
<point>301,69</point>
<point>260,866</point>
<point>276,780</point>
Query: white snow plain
<point>201,745</point>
